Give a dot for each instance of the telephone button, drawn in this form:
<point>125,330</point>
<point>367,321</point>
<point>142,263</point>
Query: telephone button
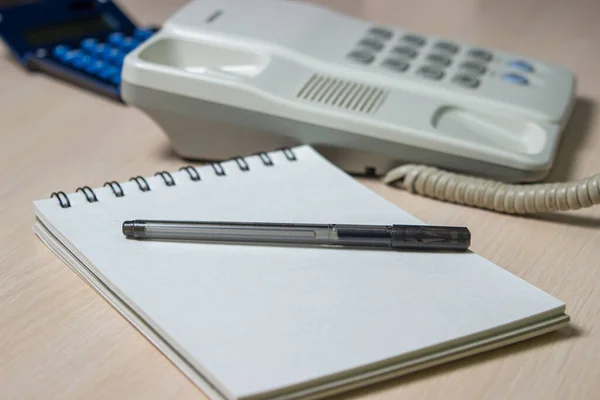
<point>521,65</point>
<point>382,33</point>
<point>415,40</point>
<point>396,64</point>
<point>362,57</point>
<point>515,78</point>
<point>371,44</point>
<point>481,55</point>
<point>431,72</point>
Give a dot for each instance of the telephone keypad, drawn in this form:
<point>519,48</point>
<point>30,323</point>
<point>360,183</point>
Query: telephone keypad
<point>430,58</point>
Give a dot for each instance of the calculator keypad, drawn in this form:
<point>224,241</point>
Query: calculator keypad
<point>101,60</point>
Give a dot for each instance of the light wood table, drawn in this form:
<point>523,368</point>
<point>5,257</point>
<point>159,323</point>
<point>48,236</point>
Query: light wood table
<point>58,339</point>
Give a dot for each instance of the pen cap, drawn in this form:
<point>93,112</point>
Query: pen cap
<point>423,237</point>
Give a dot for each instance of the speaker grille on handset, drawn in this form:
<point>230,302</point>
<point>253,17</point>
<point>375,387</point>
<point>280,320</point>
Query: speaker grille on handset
<point>342,93</point>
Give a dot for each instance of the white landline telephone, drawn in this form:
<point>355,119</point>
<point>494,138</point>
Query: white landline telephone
<point>265,74</point>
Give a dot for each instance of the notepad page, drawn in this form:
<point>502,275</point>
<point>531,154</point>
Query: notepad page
<point>257,318</point>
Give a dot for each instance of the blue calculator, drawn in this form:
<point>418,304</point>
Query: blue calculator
<point>81,41</point>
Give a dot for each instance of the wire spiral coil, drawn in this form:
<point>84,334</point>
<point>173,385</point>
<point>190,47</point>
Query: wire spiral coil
<point>167,177</point>
<point>496,196</point>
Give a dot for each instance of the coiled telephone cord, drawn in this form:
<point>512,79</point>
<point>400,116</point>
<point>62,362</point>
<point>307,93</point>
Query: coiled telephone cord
<point>497,196</point>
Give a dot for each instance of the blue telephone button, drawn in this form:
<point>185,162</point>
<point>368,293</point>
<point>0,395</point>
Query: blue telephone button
<point>142,34</point>
<point>515,78</point>
<point>521,65</point>
<point>115,38</point>
<point>60,51</point>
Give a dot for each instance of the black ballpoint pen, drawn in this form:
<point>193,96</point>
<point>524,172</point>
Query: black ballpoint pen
<point>413,237</point>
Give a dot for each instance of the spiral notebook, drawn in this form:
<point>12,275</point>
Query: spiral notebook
<point>258,322</point>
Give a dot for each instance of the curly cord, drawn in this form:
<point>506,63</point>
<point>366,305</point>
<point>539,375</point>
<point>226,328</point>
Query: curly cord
<point>496,196</point>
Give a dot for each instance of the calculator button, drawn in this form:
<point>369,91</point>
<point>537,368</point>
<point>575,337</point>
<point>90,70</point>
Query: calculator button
<point>473,67</point>
<point>371,44</point>
<point>95,66</point>
<point>81,61</point>
<point>88,44</point>
<point>466,80</point>
<point>405,51</point>
<point>71,55</point>
<point>395,64</point>
<point>515,78</point>
<point>60,51</point>
<point>107,72</point>
<point>521,65</point>
<point>119,59</point>
<point>115,39</point>
<point>142,34</point>
<point>415,40</point>
<point>439,59</point>
<point>127,44</point>
<point>362,57</point>
<point>116,79</point>
<point>73,58</point>
<point>97,50</point>
<point>480,54</point>
<point>431,72</point>
<point>447,47</point>
<point>110,54</point>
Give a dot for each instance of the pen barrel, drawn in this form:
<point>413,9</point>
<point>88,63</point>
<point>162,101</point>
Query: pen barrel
<point>423,237</point>
<point>362,235</point>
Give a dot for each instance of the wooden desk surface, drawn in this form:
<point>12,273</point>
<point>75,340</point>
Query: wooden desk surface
<point>58,339</point>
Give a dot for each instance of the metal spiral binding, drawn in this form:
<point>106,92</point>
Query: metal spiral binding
<point>139,179</point>
<point>63,200</point>
<point>90,195</point>
<point>218,168</point>
<point>167,177</point>
<point>288,153</point>
<point>113,185</point>
<point>241,162</point>
<point>264,157</point>
<point>192,172</point>
<point>142,183</point>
